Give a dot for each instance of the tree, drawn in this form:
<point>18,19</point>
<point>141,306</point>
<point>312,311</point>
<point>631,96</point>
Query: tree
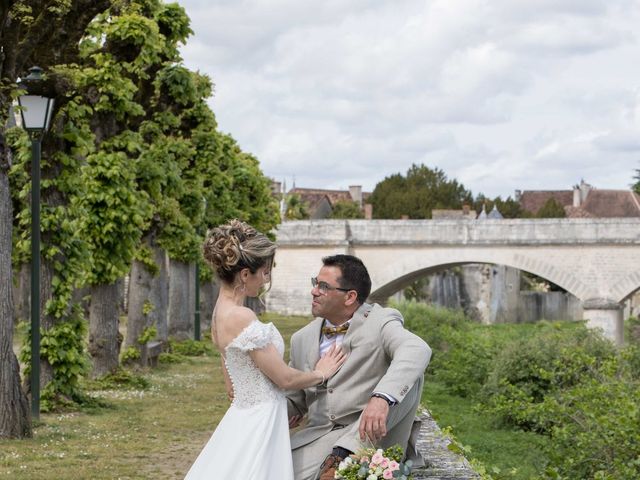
<point>43,33</point>
<point>346,209</point>
<point>296,208</point>
<point>509,208</point>
<point>551,209</point>
<point>636,186</point>
<point>416,195</point>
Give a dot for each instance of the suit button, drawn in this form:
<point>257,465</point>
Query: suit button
<point>330,390</point>
<point>332,417</point>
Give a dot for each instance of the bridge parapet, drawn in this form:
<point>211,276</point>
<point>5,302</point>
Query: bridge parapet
<point>462,232</point>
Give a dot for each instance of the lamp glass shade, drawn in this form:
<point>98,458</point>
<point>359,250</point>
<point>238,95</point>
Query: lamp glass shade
<point>35,112</point>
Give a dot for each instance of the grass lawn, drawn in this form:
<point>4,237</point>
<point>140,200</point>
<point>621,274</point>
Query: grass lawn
<point>159,431</point>
<point>152,433</point>
<point>506,454</point>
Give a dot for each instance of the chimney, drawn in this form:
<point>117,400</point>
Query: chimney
<point>404,217</point>
<point>518,195</point>
<point>368,211</point>
<point>465,210</point>
<point>356,193</point>
<point>276,187</point>
<point>577,197</point>
<point>585,188</point>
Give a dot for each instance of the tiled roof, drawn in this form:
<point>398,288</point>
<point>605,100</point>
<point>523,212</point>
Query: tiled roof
<point>309,194</point>
<point>598,204</point>
<point>533,200</point>
<point>612,203</point>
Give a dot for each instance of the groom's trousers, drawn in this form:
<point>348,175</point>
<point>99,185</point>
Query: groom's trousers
<point>402,428</point>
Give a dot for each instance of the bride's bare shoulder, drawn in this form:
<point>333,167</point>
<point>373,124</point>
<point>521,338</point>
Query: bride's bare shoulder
<point>234,319</point>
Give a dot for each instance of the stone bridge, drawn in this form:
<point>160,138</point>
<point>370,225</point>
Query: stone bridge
<point>597,260</point>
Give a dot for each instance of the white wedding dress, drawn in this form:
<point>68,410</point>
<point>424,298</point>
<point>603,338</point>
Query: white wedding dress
<point>251,441</point>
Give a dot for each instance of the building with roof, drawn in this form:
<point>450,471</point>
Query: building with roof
<point>321,202</point>
<point>584,201</point>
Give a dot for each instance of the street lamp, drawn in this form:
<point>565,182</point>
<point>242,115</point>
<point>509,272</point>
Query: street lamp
<point>35,116</point>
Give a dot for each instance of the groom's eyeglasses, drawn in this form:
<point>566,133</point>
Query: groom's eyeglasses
<point>324,287</point>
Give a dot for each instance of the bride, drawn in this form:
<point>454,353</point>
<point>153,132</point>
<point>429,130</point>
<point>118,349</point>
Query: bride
<point>251,441</point>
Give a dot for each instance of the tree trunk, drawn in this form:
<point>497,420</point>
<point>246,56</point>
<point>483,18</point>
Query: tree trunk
<point>22,293</point>
<point>208,296</point>
<point>15,419</point>
<point>159,295</point>
<point>139,295</point>
<point>181,299</point>
<point>153,290</point>
<point>104,337</point>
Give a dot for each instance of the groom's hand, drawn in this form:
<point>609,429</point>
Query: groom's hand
<point>294,421</point>
<point>373,423</point>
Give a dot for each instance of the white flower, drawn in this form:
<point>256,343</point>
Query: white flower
<point>372,477</point>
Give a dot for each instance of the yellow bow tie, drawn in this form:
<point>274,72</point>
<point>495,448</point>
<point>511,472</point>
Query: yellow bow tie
<point>331,331</point>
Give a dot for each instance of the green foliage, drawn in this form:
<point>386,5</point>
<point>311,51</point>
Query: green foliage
<point>416,195</point>
<point>63,346</point>
<point>116,215</point>
<point>143,255</point>
<point>596,428</point>
<point>296,208</point>
<point>346,209</point>
<point>129,355</point>
<point>167,357</point>
<point>632,330</point>
<point>417,291</point>
<point>191,348</point>
<point>561,380</point>
<point>121,379</point>
<point>462,352</point>
<point>636,186</point>
<point>526,372</point>
<point>148,334</point>
<point>147,308</point>
<point>509,208</point>
<point>551,209</point>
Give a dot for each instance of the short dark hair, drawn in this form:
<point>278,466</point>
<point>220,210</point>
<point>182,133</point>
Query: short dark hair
<point>353,274</point>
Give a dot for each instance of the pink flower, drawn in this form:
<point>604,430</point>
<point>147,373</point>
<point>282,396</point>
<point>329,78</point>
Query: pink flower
<point>384,463</point>
<point>364,459</point>
<point>387,473</point>
<point>377,458</point>
<point>393,465</point>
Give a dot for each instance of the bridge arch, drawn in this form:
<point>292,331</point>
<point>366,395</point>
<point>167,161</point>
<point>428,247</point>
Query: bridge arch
<point>417,269</point>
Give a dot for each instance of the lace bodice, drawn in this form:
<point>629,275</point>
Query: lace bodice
<point>250,385</point>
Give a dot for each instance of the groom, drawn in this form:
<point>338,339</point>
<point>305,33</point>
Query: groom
<point>373,398</point>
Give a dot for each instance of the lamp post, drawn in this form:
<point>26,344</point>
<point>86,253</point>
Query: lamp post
<point>35,114</point>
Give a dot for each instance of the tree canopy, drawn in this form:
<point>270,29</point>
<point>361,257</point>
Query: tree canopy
<point>417,193</point>
<point>346,209</point>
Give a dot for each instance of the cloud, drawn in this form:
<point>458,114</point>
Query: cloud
<point>501,95</point>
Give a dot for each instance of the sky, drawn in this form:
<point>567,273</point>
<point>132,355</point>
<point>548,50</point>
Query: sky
<point>499,94</point>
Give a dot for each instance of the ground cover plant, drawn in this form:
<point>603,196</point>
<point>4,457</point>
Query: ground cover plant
<point>545,400</point>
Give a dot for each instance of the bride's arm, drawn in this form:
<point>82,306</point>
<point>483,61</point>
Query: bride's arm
<point>270,362</point>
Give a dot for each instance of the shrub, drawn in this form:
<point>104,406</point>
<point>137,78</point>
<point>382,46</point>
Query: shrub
<point>596,430</point>
<point>121,379</point>
<point>191,348</point>
<point>529,370</point>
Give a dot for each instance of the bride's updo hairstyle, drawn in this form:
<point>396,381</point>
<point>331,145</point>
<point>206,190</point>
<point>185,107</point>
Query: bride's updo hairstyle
<point>236,245</point>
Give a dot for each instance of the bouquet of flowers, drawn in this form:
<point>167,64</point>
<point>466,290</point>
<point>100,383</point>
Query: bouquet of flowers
<point>372,464</point>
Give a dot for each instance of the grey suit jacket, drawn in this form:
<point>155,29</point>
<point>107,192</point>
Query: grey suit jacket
<point>383,357</point>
